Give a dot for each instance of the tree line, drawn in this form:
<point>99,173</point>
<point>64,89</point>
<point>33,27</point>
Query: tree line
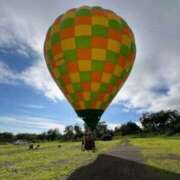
<point>162,122</point>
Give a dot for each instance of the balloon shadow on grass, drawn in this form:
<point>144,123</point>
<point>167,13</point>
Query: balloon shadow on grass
<point>107,167</point>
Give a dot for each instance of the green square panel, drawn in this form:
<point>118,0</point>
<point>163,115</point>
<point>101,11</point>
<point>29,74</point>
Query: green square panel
<point>97,7</point>
<point>49,67</point>
<point>115,24</point>
<point>69,22</point>
<point>124,51</point>
<point>103,87</point>
<point>123,75</point>
<point>99,30</point>
<point>112,56</point>
<point>133,47</point>
<point>87,103</point>
<point>123,23</point>
<point>85,76</point>
<point>49,54</point>
<point>103,105</point>
<point>97,65</point>
<point>70,54</point>
<point>93,95</point>
<point>73,97</point>
<point>61,82</point>
<point>77,87</point>
<point>113,80</point>
<point>129,69</point>
<point>83,42</point>
<point>55,38</point>
<point>83,12</point>
<point>62,69</point>
<point>111,96</point>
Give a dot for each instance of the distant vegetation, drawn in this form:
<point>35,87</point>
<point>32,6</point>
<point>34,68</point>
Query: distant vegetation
<point>163,122</point>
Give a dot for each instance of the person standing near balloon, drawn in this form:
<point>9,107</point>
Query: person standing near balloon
<point>89,52</point>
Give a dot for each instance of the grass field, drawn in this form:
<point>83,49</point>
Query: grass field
<point>48,162</point>
<point>160,152</point>
<point>51,162</point>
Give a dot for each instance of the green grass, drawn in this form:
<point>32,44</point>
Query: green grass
<point>162,152</point>
<point>51,162</point>
<point>48,162</point>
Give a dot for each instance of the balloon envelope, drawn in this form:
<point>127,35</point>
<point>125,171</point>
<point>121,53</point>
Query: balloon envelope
<point>89,52</point>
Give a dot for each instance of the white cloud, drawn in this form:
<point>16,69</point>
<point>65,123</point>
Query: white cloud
<point>148,79</point>
<point>139,124</point>
<point>20,124</point>
<point>38,77</point>
<point>6,74</point>
<point>17,30</point>
<point>24,24</point>
<point>22,29</point>
<point>34,106</point>
<point>113,125</point>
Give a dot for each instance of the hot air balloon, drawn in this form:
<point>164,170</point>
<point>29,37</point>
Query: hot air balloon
<point>89,52</point>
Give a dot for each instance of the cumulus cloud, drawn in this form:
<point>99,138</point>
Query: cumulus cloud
<point>154,84</point>
<point>36,76</point>
<point>113,125</point>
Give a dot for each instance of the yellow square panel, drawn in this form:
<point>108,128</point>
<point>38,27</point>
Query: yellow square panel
<point>106,98</point>
<point>55,28</point>
<point>60,62</point>
<point>126,40</point>
<point>68,97</point>
<point>117,70</point>
<point>68,44</point>
<point>75,77</point>
<point>98,104</point>
<point>84,65</point>
<point>98,54</point>
<point>69,88</point>
<point>115,91</point>
<point>113,45</point>
<point>58,56</point>
<point>95,86</point>
<point>56,73</point>
<point>111,15</point>
<point>82,30</point>
<point>128,66</point>
<point>100,20</point>
<point>70,14</point>
<point>106,77</point>
<point>86,96</point>
<point>81,105</point>
<point>48,45</point>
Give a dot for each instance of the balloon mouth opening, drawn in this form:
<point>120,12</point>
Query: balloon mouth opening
<point>90,116</point>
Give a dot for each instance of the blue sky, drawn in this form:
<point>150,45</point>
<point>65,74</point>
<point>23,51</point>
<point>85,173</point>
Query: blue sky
<point>30,100</point>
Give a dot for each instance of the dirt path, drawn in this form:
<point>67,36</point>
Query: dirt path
<point>127,151</point>
<point>123,163</point>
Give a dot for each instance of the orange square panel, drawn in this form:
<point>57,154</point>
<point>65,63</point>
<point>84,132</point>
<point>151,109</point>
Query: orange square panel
<point>84,54</point>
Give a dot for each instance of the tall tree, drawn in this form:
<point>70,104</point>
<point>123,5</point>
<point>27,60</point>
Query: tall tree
<point>101,129</point>
<point>78,131</point>
<point>129,128</point>
<point>162,121</point>
<point>53,134</point>
<point>69,133</point>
